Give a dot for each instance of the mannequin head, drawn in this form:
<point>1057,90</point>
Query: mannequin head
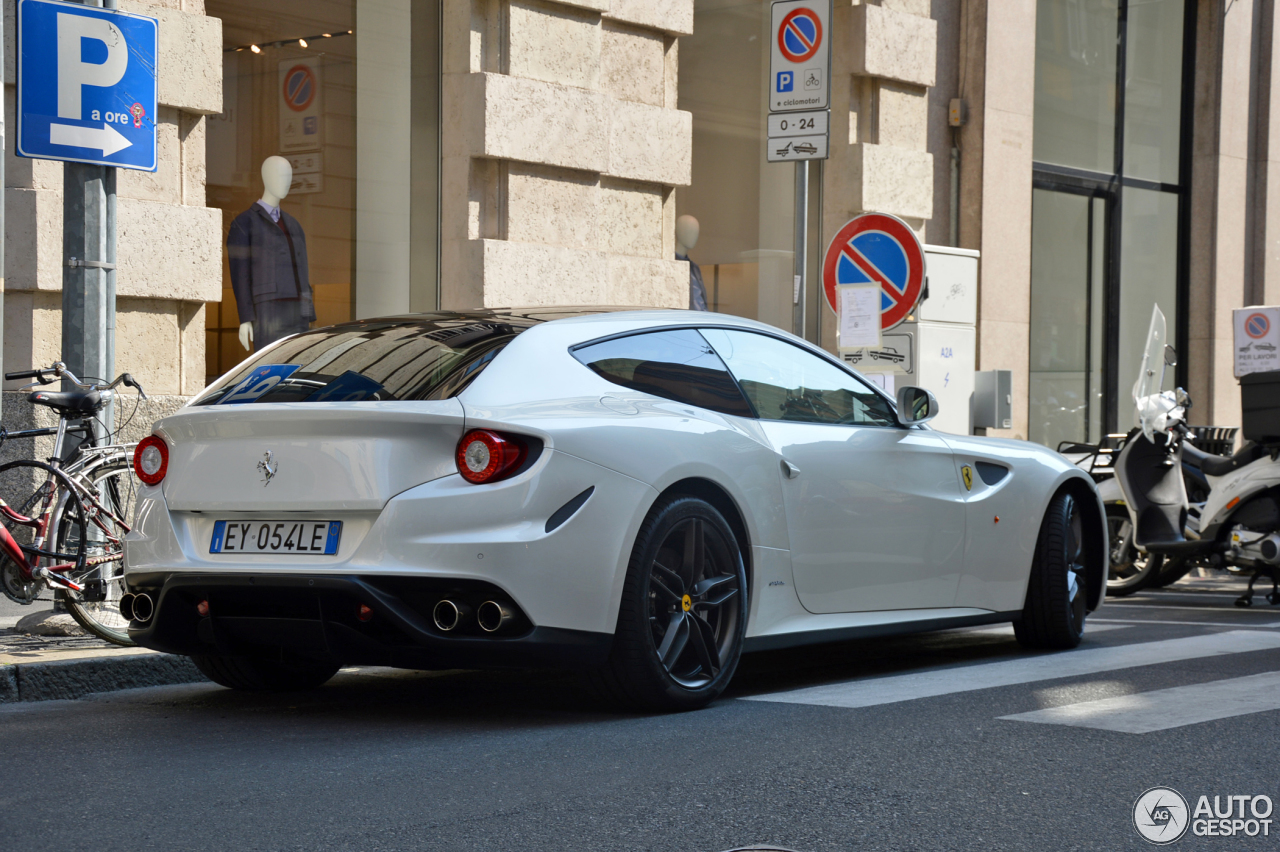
<point>277,176</point>
<point>686,234</point>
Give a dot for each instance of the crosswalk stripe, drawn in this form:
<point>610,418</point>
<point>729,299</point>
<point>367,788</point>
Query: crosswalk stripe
<point>1270,625</point>
<point>967,678</point>
<point>1162,709</point>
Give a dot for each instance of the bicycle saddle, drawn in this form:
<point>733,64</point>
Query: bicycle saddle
<point>1211,465</point>
<point>77,404</point>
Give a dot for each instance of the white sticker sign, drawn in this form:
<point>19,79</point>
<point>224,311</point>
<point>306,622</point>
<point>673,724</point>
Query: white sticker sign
<point>859,316</point>
<point>1257,339</point>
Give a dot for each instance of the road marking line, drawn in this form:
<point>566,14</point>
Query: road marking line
<point>1268,626</point>
<point>1157,608</point>
<point>1007,629</point>
<point>1162,709</point>
<point>871,692</point>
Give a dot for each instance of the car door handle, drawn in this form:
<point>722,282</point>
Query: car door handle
<point>790,470</point>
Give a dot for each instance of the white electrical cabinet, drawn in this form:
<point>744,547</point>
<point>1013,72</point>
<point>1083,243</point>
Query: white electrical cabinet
<point>937,348</point>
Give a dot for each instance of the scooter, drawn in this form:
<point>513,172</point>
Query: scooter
<point>1239,524</point>
<point>1130,570</point>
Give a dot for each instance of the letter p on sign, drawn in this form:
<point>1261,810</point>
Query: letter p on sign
<point>74,72</point>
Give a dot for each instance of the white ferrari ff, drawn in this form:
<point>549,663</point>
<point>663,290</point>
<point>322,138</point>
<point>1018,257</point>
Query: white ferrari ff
<point>643,495</point>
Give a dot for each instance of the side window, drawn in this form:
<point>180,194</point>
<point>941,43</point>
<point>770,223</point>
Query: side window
<point>784,382</point>
<point>677,365</point>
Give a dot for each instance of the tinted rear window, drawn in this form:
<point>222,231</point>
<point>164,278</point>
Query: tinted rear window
<point>367,362</point>
<point>677,364</point>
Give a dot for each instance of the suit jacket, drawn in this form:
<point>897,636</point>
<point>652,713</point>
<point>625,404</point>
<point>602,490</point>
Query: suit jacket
<point>266,264</point>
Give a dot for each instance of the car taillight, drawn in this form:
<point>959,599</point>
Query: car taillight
<point>151,459</point>
<point>485,456</point>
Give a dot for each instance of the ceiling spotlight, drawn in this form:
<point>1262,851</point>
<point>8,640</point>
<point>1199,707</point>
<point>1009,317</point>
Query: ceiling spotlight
<point>255,48</point>
<point>302,42</point>
<point>328,35</point>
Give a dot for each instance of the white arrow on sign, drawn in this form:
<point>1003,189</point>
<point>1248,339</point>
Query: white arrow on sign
<point>105,139</point>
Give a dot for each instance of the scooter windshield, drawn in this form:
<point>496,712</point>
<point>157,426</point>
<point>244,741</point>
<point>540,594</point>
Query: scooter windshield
<point>1151,376</point>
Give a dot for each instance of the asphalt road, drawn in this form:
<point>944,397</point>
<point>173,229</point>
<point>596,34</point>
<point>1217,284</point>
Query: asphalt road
<point>382,760</point>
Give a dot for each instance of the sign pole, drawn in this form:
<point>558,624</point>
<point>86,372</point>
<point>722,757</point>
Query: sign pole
<point>89,272</point>
<point>2,155</point>
<point>802,247</point>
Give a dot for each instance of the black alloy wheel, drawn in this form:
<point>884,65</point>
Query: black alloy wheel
<point>1057,590</point>
<point>683,616</point>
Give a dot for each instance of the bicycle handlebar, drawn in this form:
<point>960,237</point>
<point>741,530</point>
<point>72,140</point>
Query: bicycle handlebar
<point>28,374</point>
<point>60,371</point>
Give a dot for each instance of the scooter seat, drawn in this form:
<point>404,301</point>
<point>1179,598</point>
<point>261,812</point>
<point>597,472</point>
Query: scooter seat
<point>1211,465</point>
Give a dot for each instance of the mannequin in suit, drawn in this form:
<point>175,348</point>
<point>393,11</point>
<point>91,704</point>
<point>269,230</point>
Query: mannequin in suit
<point>267,250</point>
<point>687,231</point>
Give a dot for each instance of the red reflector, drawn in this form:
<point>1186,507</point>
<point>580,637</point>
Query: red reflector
<point>203,609</point>
<point>485,456</point>
<point>364,613</point>
<point>151,459</point>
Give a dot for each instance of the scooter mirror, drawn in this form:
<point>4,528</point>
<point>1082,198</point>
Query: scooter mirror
<point>1170,356</point>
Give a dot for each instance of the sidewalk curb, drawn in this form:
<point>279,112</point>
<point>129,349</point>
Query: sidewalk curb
<point>64,679</point>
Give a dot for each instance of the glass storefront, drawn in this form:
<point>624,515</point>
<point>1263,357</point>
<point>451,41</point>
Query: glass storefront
<point>1109,185</point>
<point>347,94</point>
<point>745,206</point>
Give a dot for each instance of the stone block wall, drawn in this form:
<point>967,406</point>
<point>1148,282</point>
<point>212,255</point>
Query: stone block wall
<point>168,242</point>
<point>561,149</point>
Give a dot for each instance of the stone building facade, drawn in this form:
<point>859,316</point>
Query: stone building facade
<point>468,153</point>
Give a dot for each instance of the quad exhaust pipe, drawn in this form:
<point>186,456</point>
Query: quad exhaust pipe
<point>493,616</point>
<point>449,615</point>
<point>137,607</point>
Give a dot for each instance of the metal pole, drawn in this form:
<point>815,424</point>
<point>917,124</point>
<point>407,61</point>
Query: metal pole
<point>801,247</point>
<point>2,155</point>
<point>88,275</point>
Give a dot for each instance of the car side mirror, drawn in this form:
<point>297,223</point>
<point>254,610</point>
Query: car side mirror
<point>916,405</point>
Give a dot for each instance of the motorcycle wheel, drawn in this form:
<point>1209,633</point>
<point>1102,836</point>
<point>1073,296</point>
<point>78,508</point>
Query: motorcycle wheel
<point>1130,570</point>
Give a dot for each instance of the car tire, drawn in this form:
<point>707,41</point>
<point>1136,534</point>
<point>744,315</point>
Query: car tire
<point>683,616</point>
<point>1129,571</point>
<point>255,674</point>
<point>1054,613</point>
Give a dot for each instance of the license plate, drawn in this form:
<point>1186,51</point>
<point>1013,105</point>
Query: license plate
<point>318,538</point>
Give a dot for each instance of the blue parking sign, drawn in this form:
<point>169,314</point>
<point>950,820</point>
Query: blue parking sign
<point>86,85</point>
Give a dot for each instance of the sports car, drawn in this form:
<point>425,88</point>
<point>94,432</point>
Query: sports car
<point>642,495</point>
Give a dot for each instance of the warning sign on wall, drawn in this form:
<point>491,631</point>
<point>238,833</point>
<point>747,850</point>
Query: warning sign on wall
<point>1257,339</point>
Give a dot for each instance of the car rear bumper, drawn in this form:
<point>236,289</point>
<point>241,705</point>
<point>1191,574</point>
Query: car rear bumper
<point>317,617</point>
<point>564,574</point>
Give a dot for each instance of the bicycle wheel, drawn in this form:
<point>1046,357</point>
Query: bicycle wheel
<point>30,489</point>
<point>108,508</point>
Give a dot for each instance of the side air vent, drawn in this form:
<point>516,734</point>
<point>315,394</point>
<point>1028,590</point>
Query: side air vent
<point>566,511</point>
<point>991,473</point>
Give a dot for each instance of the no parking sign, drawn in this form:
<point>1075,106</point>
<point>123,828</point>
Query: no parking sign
<point>876,249</point>
<point>1257,340</point>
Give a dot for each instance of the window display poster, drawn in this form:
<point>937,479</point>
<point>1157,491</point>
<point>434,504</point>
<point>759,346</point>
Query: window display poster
<point>300,105</point>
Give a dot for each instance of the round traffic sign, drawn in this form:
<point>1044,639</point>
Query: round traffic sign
<point>800,35</point>
<point>876,248</point>
<point>1257,326</point>
<point>299,87</point>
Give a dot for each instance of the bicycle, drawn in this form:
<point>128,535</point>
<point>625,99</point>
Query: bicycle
<point>66,532</point>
